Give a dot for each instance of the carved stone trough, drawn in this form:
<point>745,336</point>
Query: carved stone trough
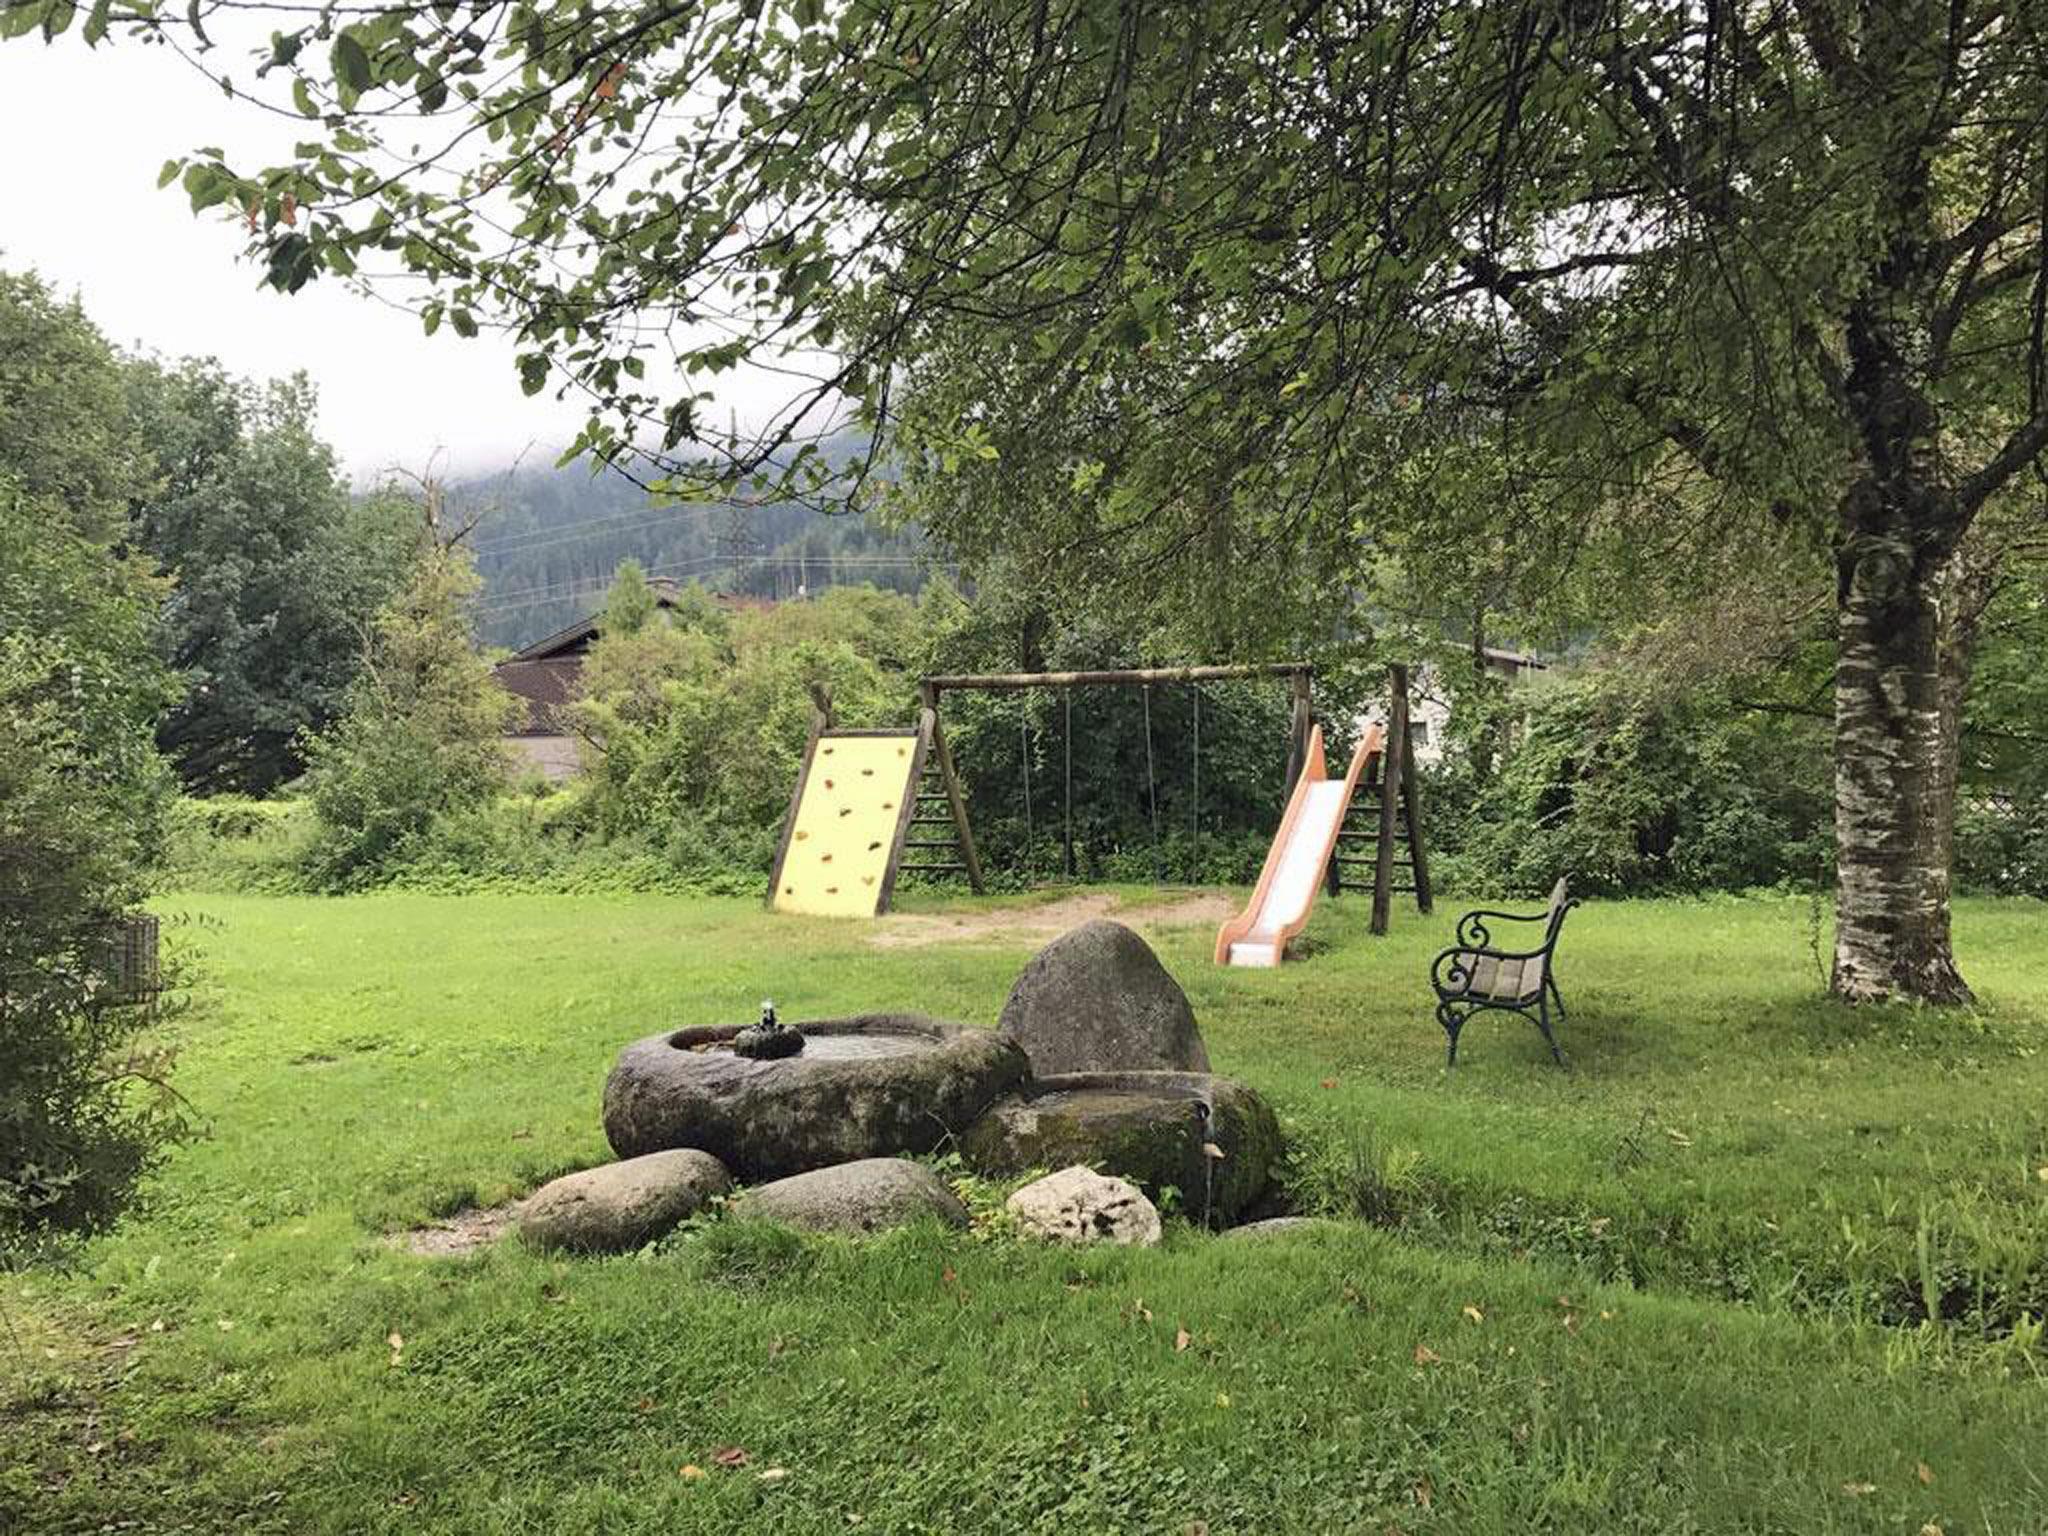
<point>871,1086</point>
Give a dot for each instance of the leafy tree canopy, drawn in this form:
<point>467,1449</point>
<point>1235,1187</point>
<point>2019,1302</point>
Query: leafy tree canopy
<point>276,568</point>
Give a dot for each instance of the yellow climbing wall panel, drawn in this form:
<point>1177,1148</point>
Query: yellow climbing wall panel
<point>845,825</point>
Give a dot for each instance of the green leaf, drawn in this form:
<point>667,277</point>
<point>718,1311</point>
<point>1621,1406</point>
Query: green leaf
<point>169,173</point>
<point>533,372</point>
<point>351,62</point>
<point>464,323</point>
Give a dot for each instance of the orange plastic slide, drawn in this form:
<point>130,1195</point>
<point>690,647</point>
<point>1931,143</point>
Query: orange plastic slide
<point>1301,851</point>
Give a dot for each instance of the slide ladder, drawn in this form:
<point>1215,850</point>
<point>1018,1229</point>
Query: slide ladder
<point>1299,861</point>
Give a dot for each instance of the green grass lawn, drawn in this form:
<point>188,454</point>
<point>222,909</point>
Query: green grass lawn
<point>1757,1264</point>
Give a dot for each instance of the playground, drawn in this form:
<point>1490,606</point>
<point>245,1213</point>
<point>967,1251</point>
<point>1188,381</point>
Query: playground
<point>1745,1262</point>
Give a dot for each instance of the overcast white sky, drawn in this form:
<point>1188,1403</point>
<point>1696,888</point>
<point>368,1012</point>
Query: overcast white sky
<point>82,137</point>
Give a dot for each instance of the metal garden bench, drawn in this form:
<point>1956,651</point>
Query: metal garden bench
<point>1474,975</point>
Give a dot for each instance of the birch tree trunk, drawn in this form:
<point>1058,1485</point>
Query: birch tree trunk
<point>1896,760</point>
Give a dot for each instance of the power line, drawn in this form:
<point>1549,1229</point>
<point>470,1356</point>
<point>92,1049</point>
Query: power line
<point>533,597</point>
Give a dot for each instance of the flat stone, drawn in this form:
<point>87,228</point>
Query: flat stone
<point>872,1086</point>
<point>1277,1226</point>
<point>621,1206</point>
<point>1098,1000</point>
<point>865,1196</point>
<point>1079,1205</point>
<point>1212,1139</point>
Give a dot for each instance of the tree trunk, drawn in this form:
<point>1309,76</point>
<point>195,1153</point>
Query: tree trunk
<point>1896,758</point>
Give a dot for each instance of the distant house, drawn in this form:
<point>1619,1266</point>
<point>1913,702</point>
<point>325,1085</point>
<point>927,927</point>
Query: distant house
<point>1429,714</point>
<point>547,677</point>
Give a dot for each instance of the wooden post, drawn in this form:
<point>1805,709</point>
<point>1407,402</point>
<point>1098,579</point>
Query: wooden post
<point>1411,799</point>
<point>1067,799</point>
<point>1391,788</point>
<point>1300,723</point>
<point>955,801</point>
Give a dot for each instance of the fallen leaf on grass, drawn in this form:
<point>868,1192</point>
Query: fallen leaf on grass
<point>772,1474</point>
<point>1474,1313</point>
<point>691,1472</point>
<point>1424,1493</point>
<point>1859,1489</point>
<point>1424,1355</point>
<point>397,1342</point>
<point>1329,1082</point>
<point>1925,1473</point>
<point>1222,1399</point>
<point>1181,1340</point>
<point>730,1456</point>
<point>227,1325</point>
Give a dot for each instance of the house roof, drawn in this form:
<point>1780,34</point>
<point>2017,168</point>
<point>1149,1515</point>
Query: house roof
<point>575,640</point>
<point>545,686</point>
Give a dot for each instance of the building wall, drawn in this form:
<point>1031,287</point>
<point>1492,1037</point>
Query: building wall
<point>556,758</point>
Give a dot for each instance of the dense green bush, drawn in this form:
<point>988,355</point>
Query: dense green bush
<point>2002,844</point>
<point>83,1108</point>
<point>1631,794</point>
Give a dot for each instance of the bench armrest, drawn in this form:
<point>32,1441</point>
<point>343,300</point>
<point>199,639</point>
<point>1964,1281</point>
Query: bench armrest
<point>1473,932</point>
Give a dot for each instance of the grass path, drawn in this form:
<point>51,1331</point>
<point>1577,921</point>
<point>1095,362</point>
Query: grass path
<point>1698,1263</point>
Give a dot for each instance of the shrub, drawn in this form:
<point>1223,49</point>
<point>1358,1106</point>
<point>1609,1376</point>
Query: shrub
<point>1635,795</point>
<point>421,732</point>
<point>83,1109</point>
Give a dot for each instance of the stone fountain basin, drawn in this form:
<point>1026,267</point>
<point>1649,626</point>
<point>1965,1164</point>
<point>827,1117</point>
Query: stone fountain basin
<point>877,1085</point>
<point>1153,1128</point>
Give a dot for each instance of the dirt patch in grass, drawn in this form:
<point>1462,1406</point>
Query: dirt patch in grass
<point>903,930</point>
<point>462,1233</point>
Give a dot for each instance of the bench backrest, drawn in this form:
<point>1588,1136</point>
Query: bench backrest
<point>1560,903</point>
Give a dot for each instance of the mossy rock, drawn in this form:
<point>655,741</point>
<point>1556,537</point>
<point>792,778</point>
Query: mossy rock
<point>1155,1128</point>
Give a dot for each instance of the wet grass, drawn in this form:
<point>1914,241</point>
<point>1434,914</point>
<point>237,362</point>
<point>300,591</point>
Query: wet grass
<point>1700,1268</point>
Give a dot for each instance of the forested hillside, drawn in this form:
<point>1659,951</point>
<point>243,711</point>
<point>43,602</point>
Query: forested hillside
<point>549,539</point>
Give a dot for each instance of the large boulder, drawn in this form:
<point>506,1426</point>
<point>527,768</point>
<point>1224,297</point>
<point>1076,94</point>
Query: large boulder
<point>1097,1000</point>
<point>1210,1138</point>
<point>864,1196</point>
<point>863,1087</point>
<point>621,1206</point>
<point>1079,1205</point>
